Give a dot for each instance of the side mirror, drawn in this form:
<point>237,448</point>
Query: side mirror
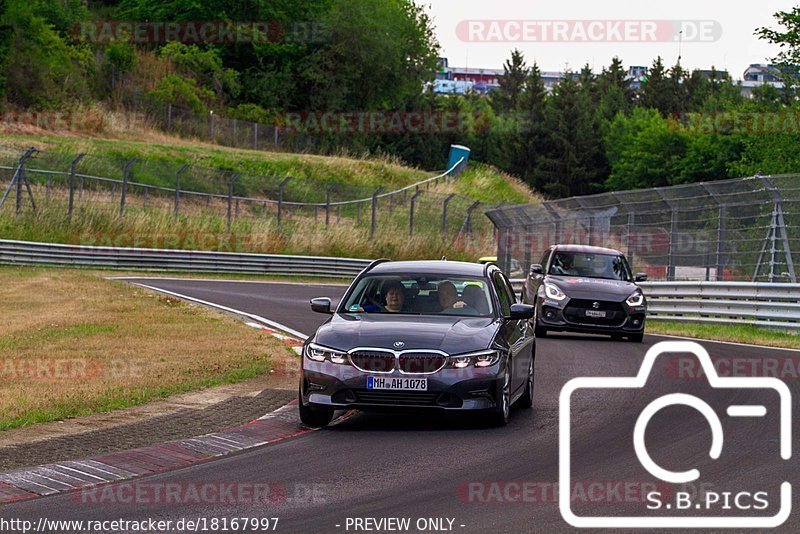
<point>536,268</point>
<point>321,305</point>
<point>521,311</point>
<point>641,277</point>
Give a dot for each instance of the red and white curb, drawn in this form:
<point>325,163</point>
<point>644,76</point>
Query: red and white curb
<point>295,344</point>
<point>64,477</point>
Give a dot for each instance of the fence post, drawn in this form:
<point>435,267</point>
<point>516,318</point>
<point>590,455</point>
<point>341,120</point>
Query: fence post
<point>231,181</point>
<point>178,188</point>
<point>280,201</point>
<point>328,205</point>
<point>468,221</point>
<point>444,212</point>
<point>721,244</point>
<point>358,213</point>
<point>374,213</point>
<point>125,174</point>
<point>211,125</point>
<point>234,132</point>
<point>275,133</point>
<point>72,186</point>
<point>144,200</point>
<point>411,212</point>
<point>169,117</point>
<point>17,179</point>
<point>255,135</point>
<point>629,237</point>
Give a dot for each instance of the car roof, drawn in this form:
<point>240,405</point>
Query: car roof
<point>585,248</point>
<point>458,268</point>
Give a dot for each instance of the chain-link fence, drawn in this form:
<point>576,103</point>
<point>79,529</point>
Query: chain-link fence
<point>106,190</point>
<point>739,229</point>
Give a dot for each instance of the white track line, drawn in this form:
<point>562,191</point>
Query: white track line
<point>726,342</point>
<point>273,324</point>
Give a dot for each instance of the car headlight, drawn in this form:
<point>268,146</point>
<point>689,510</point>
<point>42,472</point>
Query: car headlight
<point>554,292</point>
<point>318,353</point>
<point>636,299</point>
<point>484,358</point>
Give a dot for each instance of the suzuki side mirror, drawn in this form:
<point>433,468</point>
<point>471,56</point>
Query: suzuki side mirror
<point>641,277</point>
<point>536,268</point>
<point>321,305</point>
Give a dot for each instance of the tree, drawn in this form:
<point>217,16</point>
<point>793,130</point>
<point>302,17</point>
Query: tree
<point>379,55</point>
<point>788,39</point>
<point>572,147</point>
<point>512,83</point>
<point>657,89</point>
<point>644,150</point>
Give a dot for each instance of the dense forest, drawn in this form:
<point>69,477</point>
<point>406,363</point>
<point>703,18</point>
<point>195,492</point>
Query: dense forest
<point>592,133</point>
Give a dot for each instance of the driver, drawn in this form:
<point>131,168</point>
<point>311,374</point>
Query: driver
<point>395,296</point>
<point>600,266</point>
<point>563,264</point>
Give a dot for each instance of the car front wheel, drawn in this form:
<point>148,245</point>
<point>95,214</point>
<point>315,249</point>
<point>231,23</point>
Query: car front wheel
<point>500,415</point>
<point>636,338</point>
<point>315,417</point>
<point>526,400</point>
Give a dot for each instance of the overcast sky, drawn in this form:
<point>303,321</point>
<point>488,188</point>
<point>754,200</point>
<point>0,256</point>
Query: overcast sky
<point>728,42</point>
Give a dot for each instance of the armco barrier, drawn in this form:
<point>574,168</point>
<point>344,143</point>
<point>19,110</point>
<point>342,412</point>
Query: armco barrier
<point>26,253</point>
<point>756,303</point>
<point>712,302</point>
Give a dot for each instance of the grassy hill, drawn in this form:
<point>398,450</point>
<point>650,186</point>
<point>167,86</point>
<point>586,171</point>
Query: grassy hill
<point>202,222</point>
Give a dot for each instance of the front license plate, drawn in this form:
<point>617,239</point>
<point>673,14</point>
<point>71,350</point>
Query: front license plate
<point>594,313</point>
<point>397,384</point>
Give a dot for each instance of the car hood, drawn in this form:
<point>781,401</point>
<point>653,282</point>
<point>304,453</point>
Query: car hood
<point>453,335</point>
<point>593,288</point>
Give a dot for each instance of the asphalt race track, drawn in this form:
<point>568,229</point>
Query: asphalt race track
<point>485,479</point>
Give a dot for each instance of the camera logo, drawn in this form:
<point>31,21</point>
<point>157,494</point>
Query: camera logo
<point>715,520</point>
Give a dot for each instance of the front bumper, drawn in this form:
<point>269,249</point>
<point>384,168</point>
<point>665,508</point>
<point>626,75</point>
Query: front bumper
<point>569,315</point>
<point>453,390</point>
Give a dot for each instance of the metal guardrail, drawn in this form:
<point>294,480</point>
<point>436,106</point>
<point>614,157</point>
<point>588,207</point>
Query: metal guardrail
<point>711,302</point>
<point>756,303</point>
<point>27,253</point>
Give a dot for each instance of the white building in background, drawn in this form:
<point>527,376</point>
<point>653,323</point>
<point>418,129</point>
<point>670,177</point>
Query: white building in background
<point>759,74</point>
<point>462,80</point>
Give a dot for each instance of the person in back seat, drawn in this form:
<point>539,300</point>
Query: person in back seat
<point>474,297</point>
<point>448,296</point>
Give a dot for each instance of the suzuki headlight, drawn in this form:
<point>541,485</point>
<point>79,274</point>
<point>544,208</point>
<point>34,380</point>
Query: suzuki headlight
<point>484,358</point>
<point>318,353</point>
<point>554,292</point>
<point>636,299</point>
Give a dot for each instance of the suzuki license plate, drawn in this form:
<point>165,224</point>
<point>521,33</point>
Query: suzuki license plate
<point>397,384</point>
<point>595,313</point>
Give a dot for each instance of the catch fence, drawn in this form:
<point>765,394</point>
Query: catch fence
<point>739,229</point>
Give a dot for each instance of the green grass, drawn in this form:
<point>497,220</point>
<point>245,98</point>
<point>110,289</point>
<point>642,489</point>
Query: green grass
<point>738,333</point>
<point>120,398</point>
<point>161,158</point>
<point>42,336</point>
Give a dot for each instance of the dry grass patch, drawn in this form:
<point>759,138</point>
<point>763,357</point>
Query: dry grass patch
<point>73,343</point>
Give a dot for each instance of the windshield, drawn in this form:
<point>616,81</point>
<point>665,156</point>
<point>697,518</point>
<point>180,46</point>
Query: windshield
<point>421,295</point>
<point>589,265</point>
